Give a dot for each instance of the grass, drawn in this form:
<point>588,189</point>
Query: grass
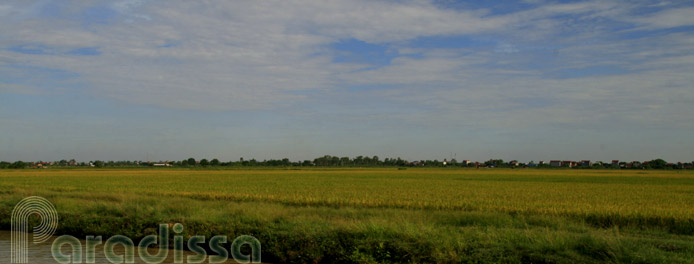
<point>386,215</point>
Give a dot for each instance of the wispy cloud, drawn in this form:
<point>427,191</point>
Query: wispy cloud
<point>591,63</point>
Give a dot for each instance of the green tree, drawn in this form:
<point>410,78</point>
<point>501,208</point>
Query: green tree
<point>657,164</point>
<point>191,162</point>
<point>213,162</point>
<point>17,165</point>
<point>344,161</point>
<point>204,162</point>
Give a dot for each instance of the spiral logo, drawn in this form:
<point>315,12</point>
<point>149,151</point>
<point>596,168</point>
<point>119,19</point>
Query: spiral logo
<point>33,205</point>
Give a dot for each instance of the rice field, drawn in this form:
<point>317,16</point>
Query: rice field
<point>384,214</point>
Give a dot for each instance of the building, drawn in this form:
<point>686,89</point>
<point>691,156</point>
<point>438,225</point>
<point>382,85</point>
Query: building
<point>615,163</point>
<point>568,163</point>
<point>416,163</point>
<point>586,163</point>
<point>555,163</point>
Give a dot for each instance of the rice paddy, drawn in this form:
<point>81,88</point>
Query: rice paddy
<point>384,214</point>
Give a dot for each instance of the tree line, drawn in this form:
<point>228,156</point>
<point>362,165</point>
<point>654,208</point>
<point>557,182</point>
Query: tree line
<point>330,161</point>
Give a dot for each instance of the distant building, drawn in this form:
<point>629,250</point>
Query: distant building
<point>555,163</point>
<point>568,163</point>
<point>615,163</point>
<point>586,163</point>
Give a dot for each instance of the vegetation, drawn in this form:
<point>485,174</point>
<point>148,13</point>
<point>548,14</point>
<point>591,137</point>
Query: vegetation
<point>334,161</point>
<point>383,214</point>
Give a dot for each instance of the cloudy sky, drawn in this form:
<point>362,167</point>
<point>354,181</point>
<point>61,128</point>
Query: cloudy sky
<point>168,80</point>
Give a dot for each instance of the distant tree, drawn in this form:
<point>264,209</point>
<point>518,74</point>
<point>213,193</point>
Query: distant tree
<point>191,162</point>
<point>359,160</point>
<point>98,164</point>
<point>400,162</point>
<point>17,165</point>
<point>367,161</point>
<point>204,162</point>
<point>499,163</point>
<point>657,164</point>
<point>213,162</point>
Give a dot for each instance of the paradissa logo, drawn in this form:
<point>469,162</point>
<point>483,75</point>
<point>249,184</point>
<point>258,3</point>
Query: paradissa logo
<point>49,222</point>
<point>27,207</point>
<point>162,239</point>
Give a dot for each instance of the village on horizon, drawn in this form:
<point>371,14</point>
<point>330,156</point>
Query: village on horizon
<point>359,161</point>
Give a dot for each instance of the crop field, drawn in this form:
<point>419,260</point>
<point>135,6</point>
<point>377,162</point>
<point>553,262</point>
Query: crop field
<point>385,214</point>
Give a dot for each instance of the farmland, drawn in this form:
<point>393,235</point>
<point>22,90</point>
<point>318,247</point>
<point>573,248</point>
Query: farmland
<point>385,214</point>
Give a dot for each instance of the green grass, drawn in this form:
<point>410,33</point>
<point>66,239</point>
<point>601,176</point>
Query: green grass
<point>386,215</point>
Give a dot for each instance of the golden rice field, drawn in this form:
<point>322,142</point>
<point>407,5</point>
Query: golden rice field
<point>385,214</point>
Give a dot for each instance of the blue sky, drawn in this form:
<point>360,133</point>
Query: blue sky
<point>168,80</point>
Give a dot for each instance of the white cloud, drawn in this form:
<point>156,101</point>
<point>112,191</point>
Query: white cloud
<point>232,55</point>
<point>677,17</point>
<point>268,54</point>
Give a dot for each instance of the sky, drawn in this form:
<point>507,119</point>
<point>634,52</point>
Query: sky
<point>167,80</point>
